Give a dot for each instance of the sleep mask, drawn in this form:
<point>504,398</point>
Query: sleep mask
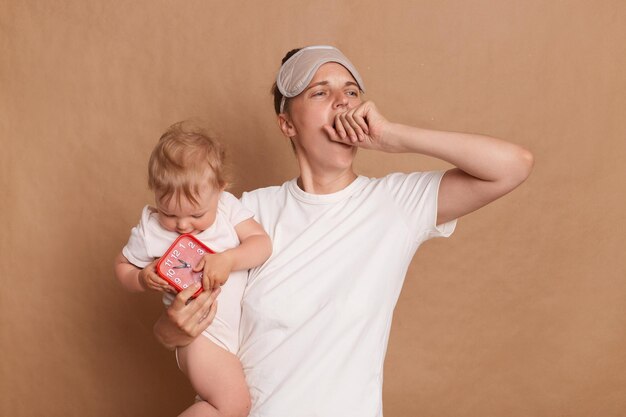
<point>298,71</point>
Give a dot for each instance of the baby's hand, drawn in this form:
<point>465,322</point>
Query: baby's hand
<point>149,279</point>
<point>216,268</point>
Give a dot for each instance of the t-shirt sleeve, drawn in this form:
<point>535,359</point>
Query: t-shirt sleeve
<point>136,250</point>
<point>247,200</point>
<point>416,196</point>
<point>234,210</point>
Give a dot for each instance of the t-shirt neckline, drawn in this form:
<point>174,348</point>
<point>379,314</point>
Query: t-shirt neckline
<point>303,196</point>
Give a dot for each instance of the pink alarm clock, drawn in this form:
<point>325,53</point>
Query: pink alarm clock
<point>177,263</point>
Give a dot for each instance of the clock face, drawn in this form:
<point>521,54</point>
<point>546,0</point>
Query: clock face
<point>177,263</point>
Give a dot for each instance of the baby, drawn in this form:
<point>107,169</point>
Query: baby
<point>185,172</point>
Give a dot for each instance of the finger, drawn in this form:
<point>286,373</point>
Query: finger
<point>200,266</point>
<point>212,312</point>
<point>207,318</point>
<point>355,126</point>
<point>181,299</point>
<point>157,280</point>
<point>207,303</point>
<point>209,280</point>
<point>155,286</point>
<point>217,281</point>
<point>213,295</point>
<point>206,280</point>
<point>341,131</point>
<point>332,133</point>
<point>157,283</point>
<point>348,128</point>
<point>360,117</point>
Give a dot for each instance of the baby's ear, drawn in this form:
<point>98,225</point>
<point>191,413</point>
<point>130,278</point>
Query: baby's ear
<point>285,125</point>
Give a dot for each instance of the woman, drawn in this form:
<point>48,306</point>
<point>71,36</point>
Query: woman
<point>316,316</point>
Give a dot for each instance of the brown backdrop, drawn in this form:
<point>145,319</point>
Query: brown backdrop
<point>521,313</point>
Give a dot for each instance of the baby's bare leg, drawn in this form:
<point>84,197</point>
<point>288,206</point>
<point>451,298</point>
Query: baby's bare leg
<point>217,377</point>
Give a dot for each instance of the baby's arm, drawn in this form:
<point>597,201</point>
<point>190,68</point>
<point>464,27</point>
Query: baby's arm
<point>136,279</point>
<point>255,248</point>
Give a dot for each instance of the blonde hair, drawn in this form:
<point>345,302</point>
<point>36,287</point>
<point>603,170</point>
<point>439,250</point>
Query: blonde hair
<point>184,158</point>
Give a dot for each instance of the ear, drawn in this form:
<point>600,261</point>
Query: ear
<point>286,126</point>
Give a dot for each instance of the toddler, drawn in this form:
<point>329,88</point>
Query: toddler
<point>185,172</point>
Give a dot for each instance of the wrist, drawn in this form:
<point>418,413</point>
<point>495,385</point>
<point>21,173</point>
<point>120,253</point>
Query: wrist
<point>391,138</point>
<point>403,139</point>
<point>160,332</point>
<point>230,257</point>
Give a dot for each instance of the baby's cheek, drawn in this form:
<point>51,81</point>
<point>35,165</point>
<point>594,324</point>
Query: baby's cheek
<point>167,224</point>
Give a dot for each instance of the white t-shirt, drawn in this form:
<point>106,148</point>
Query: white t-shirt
<point>149,240</point>
<point>316,316</point>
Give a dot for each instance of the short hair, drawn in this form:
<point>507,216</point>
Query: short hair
<point>275,91</point>
<point>185,156</point>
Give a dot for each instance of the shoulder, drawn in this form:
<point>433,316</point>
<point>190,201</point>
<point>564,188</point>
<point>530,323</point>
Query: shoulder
<point>149,227</point>
<point>410,191</point>
<point>263,195</point>
<point>148,216</point>
<point>228,200</point>
<point>232,209</point>
<point>400,177</point>
<point>398,181</point>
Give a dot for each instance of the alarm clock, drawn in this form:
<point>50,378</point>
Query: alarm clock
<point>177,263</point>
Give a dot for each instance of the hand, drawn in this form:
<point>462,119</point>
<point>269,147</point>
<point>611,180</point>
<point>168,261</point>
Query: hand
<point>149,279</point>
<point>216,268</point>
<point>362,126</point>
<point>186,318</point>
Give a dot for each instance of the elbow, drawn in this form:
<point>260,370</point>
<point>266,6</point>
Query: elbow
<point>520,167</point>
<point>118,270</point>
<point>516,168</point>
<point>526,163</point>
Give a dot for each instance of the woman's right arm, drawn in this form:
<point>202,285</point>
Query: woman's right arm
<point>486,168</point>
<point>183,321</point>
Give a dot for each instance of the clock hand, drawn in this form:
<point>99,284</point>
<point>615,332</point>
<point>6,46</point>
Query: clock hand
<point>184,265</point>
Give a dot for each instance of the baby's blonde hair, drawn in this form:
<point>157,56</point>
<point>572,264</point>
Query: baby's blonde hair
<point>182,160</point>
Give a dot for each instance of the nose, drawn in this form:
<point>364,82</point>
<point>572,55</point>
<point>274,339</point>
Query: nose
<point>340,99</point>
<point>181,225</point>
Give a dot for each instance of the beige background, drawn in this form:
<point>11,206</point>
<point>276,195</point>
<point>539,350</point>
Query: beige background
<point>521,313</point>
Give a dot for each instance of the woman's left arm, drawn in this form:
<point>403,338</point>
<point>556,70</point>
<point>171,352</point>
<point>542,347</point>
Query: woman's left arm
<point>486,168</point>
